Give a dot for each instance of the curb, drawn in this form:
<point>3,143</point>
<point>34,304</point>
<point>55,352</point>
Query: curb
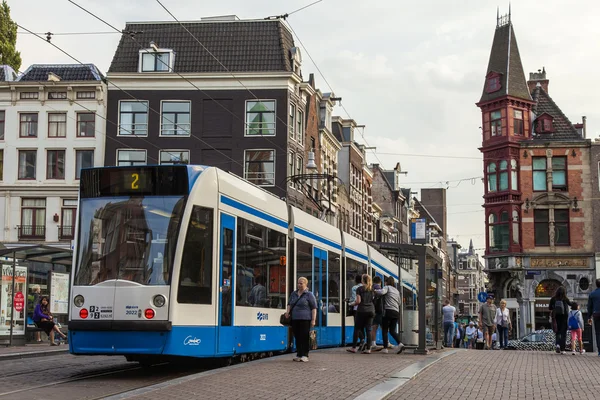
<point>31,354</point>
<point>386,388</point>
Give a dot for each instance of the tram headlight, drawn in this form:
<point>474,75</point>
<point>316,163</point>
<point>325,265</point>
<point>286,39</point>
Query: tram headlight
<point>159,300</point>
<point>78,300</point>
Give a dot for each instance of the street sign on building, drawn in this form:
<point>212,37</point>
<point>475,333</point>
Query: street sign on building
<point>418,230</point>
<point>482,297</point>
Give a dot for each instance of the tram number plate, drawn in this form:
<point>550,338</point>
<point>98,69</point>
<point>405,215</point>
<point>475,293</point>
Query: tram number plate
<point>102,312</point>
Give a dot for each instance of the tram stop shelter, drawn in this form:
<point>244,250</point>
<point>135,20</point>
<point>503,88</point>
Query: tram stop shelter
<point>28,272</point>
<point>429,303</point>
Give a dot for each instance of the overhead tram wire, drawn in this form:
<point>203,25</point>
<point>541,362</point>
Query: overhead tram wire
<point>150,108</point>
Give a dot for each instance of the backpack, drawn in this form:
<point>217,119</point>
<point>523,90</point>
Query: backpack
<point>573,321</point>
<point>559,307</point>
<point>379,305</point>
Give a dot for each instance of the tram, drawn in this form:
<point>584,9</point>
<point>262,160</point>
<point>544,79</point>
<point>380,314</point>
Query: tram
<point>193,261</point>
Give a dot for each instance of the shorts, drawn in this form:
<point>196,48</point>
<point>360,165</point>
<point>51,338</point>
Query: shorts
<point>489,329</point>
<point>576,335</point>
<point>378,319</point>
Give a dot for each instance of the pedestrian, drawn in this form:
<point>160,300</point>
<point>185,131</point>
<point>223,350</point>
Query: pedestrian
<point>471,335</point>
<point>353,306</point>
<point>575,322</point>
<point>258,294</point>
<point>456,333</point>
<point>459,335</point>
<point>449,313</point>
<point>303,307</point>
<point>43,320</point>
<point>365,312</point>
<point>487,316</point>
<point>36,299</point>
<point>559,304</point>
<point>379,309</point>
<point>594,312</point>
<point>503,323</point>
<point>392,303</point>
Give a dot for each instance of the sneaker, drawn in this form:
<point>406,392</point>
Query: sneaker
<point>351,350</point>
<point>304,359</point>
<point>563,352</point>
<point>582,351</point>
<point>367,351</point>
<point>400,348</point>
<point>385,351</point>
<point>573,352</point>
<point>297,358</point>
<point>557,349</point>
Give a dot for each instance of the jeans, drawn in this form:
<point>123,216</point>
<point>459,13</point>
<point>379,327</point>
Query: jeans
<point>388,325</point>
<point>561,332</point>
<point>301,329</point>
<point>448,333</point>
<point>362,326</point>
<point>503,336</point>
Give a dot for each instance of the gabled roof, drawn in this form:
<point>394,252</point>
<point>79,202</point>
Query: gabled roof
<point>506,61</point>
<point>563,129</point>
<point>241,46</point>
<point>66,72</point>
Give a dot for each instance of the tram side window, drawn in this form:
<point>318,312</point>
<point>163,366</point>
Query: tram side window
<point>409,299</point>
<point>353,268</point>
<point>195,278</point>
<point>260,269</point>
<point>304,262</point>
<point>334,283</point>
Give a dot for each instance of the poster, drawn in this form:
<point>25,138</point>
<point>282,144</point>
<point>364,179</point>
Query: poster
<point>59,293</point>
<point>7,298</point>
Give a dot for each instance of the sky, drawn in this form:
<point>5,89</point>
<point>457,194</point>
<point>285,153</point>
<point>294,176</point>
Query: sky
<point>410,71</point>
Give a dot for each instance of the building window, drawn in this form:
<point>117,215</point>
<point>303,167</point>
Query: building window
<point>29,125</point>
<point>541,220</point>
<point>499,232</point>
<point>55,165</point>
<point>492,177</point>
<point>515,227</point>
<point>518,122</point>
<point>496,123</point>
<point>83,159</point>
<point>292,116</point>
<point>503,175</point>
<point>175,116</point>
<point>559,173</point>
<point>131,157</point>
<point>86,124</point>
<point>539,174</point>
<point>493,84</point>
<point>29,95</point>
<point>299,170</point>
<point>260,118</point>
<point>133,118</point>
<point>57,125</point>
<point>172,157</point>
<point>300,127</point>
<point>87,95</point>
<point>27,164</point>
<point>2,116</point>
<point>67,219</point>
<point>57,95</point>
<point>561,227</point>
<point>514,178</point>
<point>260,167</point>
<point>156,61</point>
<point>1,164</point>
<point>291,158</point>
<point>33,218</point>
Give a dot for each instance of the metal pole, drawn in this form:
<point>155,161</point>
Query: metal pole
<point>401,289</point>
<point>422,349</point>
<point>12,308</point>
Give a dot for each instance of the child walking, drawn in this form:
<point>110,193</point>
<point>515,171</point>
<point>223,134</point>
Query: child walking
<point>576,326</point>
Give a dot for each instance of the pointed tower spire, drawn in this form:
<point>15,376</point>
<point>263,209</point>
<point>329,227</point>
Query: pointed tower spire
<point>498,17</point>
<point>471,249</point>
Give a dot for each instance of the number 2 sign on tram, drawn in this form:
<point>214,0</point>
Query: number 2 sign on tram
<point>19,302</point>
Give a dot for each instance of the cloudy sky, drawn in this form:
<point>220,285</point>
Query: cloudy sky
<point>410,71</point>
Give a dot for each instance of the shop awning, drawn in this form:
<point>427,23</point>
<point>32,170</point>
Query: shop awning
<point>40,253</point>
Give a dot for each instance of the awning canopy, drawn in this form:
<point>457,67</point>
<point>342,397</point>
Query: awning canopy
<point>40,253</point>
<point>406,250</point>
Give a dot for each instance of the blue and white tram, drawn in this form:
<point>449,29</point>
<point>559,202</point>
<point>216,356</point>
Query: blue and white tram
<point>193,261</point>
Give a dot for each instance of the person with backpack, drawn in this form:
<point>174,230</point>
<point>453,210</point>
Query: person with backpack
<point>364,313</point>
<point>377,321</point>
<point>391,314</point>
<point>559,304</point>
<point>576,326</point>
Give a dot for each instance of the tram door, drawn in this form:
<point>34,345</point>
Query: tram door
<point>320,291</point>
<point>225,331</point>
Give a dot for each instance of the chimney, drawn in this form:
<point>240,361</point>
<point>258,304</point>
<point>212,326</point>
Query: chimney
<point>584,120</point>
<point>538,77</point>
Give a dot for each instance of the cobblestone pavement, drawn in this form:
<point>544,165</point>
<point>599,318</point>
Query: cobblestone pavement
<point>330,374</point>
<point>507,375</point>
<point>32,349</point>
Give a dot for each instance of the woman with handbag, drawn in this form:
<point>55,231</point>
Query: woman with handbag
<point>365,297</point>
<point>503,323</point>
<point>302,308</point>
<point>43,320</point>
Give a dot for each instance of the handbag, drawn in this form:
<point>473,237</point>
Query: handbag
<point>287,321</point>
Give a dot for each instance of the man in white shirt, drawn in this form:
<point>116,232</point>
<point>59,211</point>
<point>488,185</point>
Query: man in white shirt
<point>449,313</point>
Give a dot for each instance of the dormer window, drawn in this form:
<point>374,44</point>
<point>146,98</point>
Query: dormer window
<point>493,82</point>
<point>544,124</point>
<point>152,60</point>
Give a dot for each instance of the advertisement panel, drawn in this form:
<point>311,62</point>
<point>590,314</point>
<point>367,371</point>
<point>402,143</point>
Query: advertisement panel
<point>8,299</point>
<point>59,293</point>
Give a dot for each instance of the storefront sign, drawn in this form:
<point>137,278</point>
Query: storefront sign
<point>542,305</point>
<point>564,262</point>
<point>19,302</point>
<point>59,293</point>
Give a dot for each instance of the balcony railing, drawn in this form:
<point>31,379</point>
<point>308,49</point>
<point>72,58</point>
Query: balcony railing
<point>31,232</point>
<point>66,232</point>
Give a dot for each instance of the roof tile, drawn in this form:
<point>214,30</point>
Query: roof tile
<point>563,128</point>
<point>66,72</point>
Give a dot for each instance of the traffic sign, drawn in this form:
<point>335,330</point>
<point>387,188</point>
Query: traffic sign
<point>482,297</point>
<point>19,302</point>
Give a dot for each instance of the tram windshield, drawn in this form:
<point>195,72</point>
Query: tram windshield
<point>129,238</point>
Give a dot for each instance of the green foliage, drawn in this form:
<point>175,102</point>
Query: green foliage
<point>8,39</point>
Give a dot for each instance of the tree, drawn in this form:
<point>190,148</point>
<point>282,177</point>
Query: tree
<point>8,39</point>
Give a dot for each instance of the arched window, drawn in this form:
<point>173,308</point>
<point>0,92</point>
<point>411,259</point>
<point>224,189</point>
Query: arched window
<point>492,178</point>
<point>499,232</point>
<point>514,180</point>
<point>515,227</point>
<point>491,222</point>
<point>503,175</point>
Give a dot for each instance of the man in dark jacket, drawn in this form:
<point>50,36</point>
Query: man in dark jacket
<point>594,312</point>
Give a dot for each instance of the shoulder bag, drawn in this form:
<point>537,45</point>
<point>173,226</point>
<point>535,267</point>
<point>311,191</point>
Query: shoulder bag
<point>287,321</point>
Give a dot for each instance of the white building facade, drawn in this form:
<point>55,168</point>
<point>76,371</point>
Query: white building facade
<point>52,125</point>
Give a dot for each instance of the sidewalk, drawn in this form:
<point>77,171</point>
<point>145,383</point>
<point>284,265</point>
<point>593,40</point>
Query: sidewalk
<point>330,374</point>
<point>32,350</point>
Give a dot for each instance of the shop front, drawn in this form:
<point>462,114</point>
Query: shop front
<point>28,273</point>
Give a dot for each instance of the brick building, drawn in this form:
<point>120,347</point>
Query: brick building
<point>538,212</point>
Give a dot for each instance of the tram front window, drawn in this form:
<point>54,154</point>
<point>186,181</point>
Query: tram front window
<point>128,238</point>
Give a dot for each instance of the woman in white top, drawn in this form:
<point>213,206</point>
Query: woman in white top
<point>503,323</point>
